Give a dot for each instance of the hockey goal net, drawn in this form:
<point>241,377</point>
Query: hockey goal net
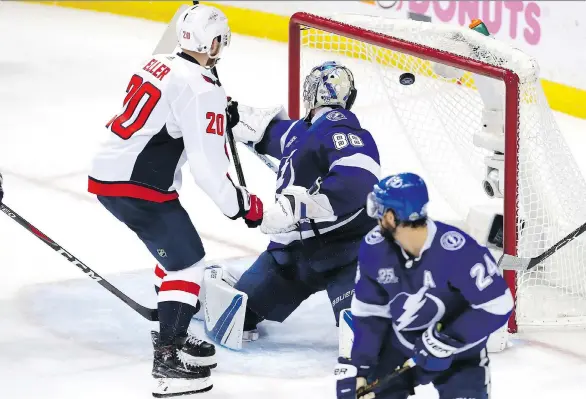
<point>428,127</point>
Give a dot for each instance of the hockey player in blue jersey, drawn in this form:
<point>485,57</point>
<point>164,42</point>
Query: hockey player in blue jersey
<point>328,165</point>
<point>425,291</point>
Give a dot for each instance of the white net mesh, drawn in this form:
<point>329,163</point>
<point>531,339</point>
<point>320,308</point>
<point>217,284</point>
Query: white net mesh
<point>428,128</point>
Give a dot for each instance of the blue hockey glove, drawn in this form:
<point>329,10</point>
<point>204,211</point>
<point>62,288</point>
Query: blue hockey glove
<point>434,351</point>
<point>348,379</point>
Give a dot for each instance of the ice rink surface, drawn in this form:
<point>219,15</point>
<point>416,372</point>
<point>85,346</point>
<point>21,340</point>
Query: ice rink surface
<point>62,76</point>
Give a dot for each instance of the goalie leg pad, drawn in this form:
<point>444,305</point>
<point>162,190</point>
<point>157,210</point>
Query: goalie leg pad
<point>345,334</point>
<point>224,309</point>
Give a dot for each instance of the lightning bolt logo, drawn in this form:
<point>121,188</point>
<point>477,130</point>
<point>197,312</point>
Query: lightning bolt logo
<point>281,177</point>
<point>412,305</point>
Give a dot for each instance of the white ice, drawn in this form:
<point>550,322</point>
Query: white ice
<point>62,74</point>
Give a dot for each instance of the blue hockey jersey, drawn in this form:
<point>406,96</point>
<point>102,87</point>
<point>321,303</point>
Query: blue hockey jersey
<point>336,156</point>
<point>455,281</point>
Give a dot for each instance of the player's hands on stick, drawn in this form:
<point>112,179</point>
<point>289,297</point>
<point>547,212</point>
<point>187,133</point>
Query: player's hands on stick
<point>1,190</point>
<point>253,217</point>
<point>232,115</point>
<point>251,208</point>
<point>434,351</point>
<point>349,379</point>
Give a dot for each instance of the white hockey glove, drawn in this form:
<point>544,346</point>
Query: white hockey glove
<point>254,121</point>
<point>293,204</point>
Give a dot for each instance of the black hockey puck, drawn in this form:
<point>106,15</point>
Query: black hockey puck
<point>407,79</point>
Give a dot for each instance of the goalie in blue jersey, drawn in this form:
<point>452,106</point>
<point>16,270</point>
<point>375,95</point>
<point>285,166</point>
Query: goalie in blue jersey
<point>425,292</point>
<point>328,165</point>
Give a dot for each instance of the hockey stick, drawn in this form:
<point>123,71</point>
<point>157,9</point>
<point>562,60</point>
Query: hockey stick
<point>384,382</point>
<point>509,262</point>
<point>147,313</point>
<point>235,157</point>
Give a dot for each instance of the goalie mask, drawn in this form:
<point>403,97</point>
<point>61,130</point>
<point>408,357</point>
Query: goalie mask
<point>329,84</point>
<point>197,28</point>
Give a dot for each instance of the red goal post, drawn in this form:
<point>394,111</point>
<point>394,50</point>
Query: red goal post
<point>303,20</point>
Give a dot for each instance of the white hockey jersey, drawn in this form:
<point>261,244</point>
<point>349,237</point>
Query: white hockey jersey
<point>174,111</point>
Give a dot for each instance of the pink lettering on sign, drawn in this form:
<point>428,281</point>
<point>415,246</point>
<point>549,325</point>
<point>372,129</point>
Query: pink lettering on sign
<point>444,10</point>
<point>522,17</point>
<point>467,11</point>
<point>492,15</point>
<point>532,34</point>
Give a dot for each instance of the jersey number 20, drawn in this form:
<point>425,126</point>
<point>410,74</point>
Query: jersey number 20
<point>136,91</point>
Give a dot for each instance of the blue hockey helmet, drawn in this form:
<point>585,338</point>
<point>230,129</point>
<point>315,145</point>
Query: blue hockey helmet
<point>404,193</point>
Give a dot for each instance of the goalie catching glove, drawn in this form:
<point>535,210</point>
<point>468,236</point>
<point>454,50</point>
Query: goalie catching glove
<point>253,121</point>
<point>292,205</point>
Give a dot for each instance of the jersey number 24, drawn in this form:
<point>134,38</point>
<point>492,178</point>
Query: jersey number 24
<point>136,91</point>
<point>479,272</point>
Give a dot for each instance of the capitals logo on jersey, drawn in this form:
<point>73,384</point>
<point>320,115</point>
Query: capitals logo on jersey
<point>417,311</point>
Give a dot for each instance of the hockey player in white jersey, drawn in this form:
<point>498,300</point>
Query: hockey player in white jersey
<point>174,111</point>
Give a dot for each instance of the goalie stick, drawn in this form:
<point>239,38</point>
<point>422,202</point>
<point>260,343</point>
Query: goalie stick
<point>147,313</point>
<point>509,262</point>
<point>270,164</point>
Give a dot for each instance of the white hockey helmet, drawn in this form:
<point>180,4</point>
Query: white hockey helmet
<point>199,25</point>
<point>329,84</point>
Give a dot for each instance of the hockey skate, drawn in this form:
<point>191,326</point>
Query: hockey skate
<point>175,375</point>
<point>195,352</point>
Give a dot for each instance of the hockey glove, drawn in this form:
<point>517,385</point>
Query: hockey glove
<point>293,205</point>
<point>1,190</point>
<point>232,115</point>
<point>434,351</point>
<point>251,208</point>
<point>349,379</point>
<point>254,122</point>
<point>253,218</point>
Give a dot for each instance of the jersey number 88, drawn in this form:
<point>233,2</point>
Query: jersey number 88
<point>342,140</point>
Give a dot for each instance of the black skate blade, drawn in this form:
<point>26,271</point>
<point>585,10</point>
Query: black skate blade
<point>172,395</point>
